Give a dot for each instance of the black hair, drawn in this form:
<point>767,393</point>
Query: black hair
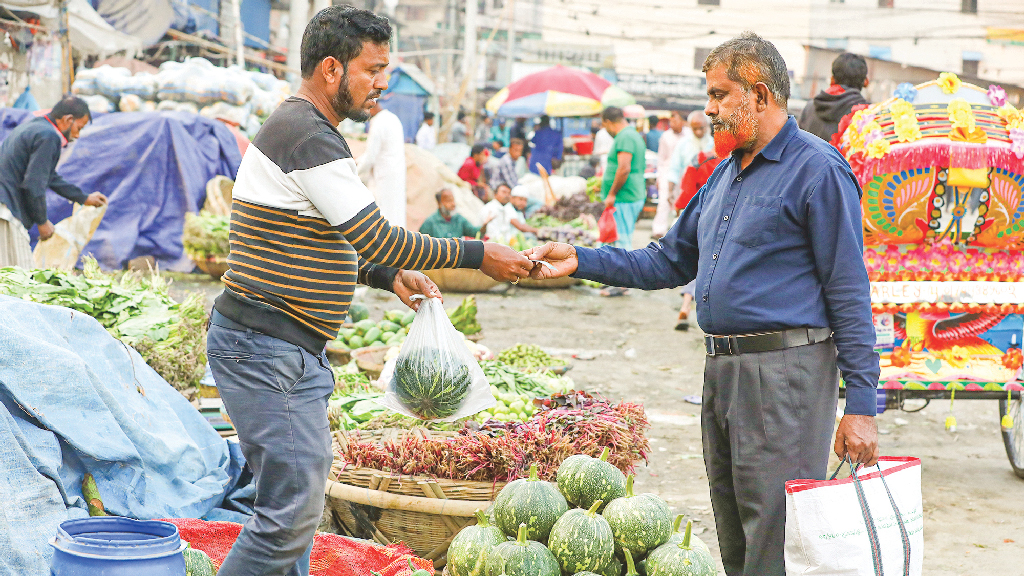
<point>515,141</point>
<point>70,105</point>
<point>652,120</point>
<point>612,114</point>
<point>477,148</point>
<point>850,69</point>
<point>503,183</point>
<point>428,115</point>
<point>461,115</point>
<point>751,59</point>
<point>441,193</point>
<point>339,32</point>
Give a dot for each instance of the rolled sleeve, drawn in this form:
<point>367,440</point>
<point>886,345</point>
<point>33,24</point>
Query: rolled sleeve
<point>834,225</point>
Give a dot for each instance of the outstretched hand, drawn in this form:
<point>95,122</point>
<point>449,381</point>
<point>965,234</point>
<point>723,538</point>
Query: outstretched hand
<point>504,264</point>
<point>857,436</point>
<point>561,258</point>
<point>408,284</point>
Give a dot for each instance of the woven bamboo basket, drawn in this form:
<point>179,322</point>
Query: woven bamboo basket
<point>423,512</point>
<point>461,280</point>
<point>215,266</point>
<point>553,284</point>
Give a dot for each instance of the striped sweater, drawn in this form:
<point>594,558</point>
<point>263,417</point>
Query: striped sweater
<point>304,230</point>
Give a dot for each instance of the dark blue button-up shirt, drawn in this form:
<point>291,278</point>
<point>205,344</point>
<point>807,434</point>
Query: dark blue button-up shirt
<point>777,245</point>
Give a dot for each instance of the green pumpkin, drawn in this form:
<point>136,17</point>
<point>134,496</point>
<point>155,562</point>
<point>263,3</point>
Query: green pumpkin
<point>613,568</point>
<point>640,522</point>
<point>679,531</point>
<point>581,540</point>
<point>467,554</point>
<point>533,502</point>
<point>585,480</point>
<point>522,557</point>
<point>567,477</point>
<point>689,557</point>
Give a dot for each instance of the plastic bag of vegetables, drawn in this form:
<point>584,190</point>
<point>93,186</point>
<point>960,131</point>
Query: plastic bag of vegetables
<point>435,376</point>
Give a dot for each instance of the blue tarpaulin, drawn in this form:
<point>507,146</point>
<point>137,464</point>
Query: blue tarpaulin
<point>153,167</point>
<point>73,399</point>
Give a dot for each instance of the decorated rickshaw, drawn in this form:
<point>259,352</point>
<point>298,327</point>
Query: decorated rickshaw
<point>941,165</point>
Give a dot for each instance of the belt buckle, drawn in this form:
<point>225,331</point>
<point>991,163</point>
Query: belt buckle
<point>718,345</point>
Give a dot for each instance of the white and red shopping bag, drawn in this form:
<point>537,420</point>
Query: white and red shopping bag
<point>870,524</point>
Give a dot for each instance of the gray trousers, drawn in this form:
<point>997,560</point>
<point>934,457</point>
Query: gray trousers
<point>276,395</point>
<point>766,418</point>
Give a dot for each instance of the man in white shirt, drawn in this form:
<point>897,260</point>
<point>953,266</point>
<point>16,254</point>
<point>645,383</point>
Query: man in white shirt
<point>383,164</point>
<point>666,198</point>
<point>503,219</point>
<point>602,146</point>
<point>426,138</point>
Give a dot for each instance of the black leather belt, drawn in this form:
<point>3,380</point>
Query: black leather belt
<point>766,342</point>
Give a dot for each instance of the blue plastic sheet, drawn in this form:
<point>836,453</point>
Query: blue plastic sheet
<point>73,400</point>
<point>153,167</point>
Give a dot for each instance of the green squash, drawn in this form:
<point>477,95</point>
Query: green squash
<point>581,540</point>
<point>587,480</point>
<point>679,532</point>
<point>197,563</point>
<point>613,568</point>
<point>467,554</point>
<point>522,557</point>
<point>388,326</point>
<point>640,522</point>
<point>689,557</point>
<point>534,502</point>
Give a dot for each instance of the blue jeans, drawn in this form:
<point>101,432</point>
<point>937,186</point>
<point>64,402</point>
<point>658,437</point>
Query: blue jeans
<point>626,214</point>
<point>276,395</point>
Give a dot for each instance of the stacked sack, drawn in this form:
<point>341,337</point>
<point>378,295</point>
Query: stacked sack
<point>196,85</point>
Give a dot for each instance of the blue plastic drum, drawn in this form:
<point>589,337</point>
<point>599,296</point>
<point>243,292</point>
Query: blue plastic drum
<point>114,546</point>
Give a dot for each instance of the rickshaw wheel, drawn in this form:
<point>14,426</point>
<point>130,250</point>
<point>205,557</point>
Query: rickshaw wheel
<point>1013,438</point>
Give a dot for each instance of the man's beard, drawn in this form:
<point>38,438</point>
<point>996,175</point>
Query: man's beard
<point>737,132</point>
<point>67,134</point>
<point>446,214</point>
<point>344,107</point>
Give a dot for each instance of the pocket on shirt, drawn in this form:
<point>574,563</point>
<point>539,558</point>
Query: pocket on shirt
<point>757,220</point>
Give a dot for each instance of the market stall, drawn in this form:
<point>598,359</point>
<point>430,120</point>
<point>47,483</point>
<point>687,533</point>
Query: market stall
<point>942,168</point>
<point>436,484</point>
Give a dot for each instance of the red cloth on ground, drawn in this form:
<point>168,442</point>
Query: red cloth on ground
<point>332,555</point>
<point>470,172</point>
<point>695,177</point>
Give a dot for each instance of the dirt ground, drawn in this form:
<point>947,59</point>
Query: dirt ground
<point>973,503</point>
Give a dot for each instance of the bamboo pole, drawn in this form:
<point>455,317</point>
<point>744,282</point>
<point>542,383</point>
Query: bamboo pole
<point>390,501</point>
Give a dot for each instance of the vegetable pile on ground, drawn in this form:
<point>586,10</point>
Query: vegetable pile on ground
<point>563,425</point>
<point>391,331</point>
<point>528,356</point>
<point>394,327</point>
<point>205,235</point>
<point>589,523</point>
<point>581,231</point>
<point>133,307</point>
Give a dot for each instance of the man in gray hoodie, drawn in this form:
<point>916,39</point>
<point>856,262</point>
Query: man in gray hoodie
<point>822,115</point>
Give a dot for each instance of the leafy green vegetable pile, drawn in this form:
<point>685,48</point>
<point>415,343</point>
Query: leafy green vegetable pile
<point>133,307</point>
<point>205,235</point>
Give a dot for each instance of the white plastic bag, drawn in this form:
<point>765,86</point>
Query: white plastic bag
<point>853,527</point>
<point>435,376</point>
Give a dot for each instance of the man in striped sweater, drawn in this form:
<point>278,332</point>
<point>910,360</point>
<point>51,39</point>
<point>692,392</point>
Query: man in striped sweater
<point>304,231</point>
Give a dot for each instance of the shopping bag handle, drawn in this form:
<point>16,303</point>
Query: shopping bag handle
<point>869,521</point>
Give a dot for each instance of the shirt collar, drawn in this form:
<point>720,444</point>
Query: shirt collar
<point>773,151</point>
<point>63,138</point>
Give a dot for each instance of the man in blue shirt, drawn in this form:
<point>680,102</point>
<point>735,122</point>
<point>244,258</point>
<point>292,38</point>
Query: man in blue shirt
<point>774,241</point>
<point>546,146</point>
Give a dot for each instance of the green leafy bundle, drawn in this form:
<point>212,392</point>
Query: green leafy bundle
<point>133,307</point>
<point>206,235</point>
<point>464,316</point>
